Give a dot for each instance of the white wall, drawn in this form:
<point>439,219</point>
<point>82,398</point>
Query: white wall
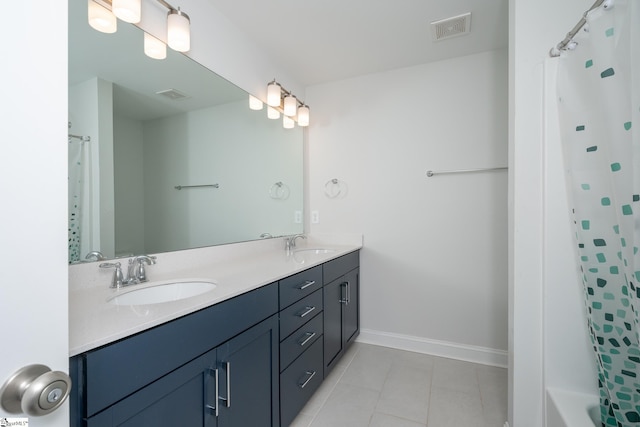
<point>534,27</point>
<point>434,263</point>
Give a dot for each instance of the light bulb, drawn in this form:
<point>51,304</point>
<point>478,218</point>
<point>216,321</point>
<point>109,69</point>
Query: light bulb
<point>290,105</point>
<point>127,10</point>
<point>272,113</point>
<point>154,48</point>
<point>178,31</point>
<point>101,18</point>
<point>255,103</point>
<point>273,94</point>
<point>303,116</point>
<point>287,122</point>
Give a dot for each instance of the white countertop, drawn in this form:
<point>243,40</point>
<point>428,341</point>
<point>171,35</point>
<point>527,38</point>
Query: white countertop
<point>236,269</point>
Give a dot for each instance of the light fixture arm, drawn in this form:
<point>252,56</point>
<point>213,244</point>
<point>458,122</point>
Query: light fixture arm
<point>283,91</point>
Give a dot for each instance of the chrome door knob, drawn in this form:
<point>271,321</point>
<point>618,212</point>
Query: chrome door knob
<point>34,390</point>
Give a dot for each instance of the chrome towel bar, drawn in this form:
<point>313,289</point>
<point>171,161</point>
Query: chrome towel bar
<point>432,173</point>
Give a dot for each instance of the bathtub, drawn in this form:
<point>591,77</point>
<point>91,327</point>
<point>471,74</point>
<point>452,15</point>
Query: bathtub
<point>571,409</point>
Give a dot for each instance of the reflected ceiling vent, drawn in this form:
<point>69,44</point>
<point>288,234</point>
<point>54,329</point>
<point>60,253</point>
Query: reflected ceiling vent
<point>173,94</point>
<point>451,27</point>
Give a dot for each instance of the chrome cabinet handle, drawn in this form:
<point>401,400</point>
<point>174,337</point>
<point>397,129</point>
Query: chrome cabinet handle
<point>306,284</point>
<point>308,309</point>
<point>348,293</point>
<point>311,375</point>
<point>309,335</point>
<point>227,400</point>
<point>344,296</point>
<point>213,372</point>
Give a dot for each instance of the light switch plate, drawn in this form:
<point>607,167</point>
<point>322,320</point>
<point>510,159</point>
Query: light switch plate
<point>315,217</point>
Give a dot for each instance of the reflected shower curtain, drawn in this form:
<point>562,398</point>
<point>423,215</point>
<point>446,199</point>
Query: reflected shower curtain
<point>599,107</point>
<point>79,199</point>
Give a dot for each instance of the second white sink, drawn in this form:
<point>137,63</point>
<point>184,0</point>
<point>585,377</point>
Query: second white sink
<point>155,293</point>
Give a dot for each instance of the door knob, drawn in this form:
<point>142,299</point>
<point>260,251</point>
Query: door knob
<point>34,390</point>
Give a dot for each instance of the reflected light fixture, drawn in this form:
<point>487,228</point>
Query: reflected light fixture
<point>283,101</point>
<point>272,113</point>
<point>154,48</point>
<point>127,10</point>
<point>255,103</point>
<point>103,13</point>
<point>101,18</point>
<point>287,122</point>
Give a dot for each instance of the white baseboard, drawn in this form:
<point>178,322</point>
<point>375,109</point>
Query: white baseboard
<point>468,353</point>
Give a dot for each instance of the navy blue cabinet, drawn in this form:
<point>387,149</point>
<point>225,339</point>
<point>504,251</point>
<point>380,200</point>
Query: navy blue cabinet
<point>341,307</point>
<point>253,360</point>
<point>169,372</point>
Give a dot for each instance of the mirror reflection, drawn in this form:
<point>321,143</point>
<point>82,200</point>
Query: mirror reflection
<point>165,155</point>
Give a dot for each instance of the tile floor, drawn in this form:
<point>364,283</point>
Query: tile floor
<point>376,386</point>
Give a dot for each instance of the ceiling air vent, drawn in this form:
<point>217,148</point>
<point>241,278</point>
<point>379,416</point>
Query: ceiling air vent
<point>451,27</point>
<point>173,94</point>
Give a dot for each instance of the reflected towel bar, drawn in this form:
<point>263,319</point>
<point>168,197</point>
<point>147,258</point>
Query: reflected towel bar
<point>180,187</point>
<point>432,173</point>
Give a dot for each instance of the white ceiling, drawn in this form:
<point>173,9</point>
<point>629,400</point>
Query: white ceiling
<point>319,41</point>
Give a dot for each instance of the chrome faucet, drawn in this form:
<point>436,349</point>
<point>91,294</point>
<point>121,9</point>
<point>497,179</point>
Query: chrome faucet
<point>135,271</point>
<point>290,242</point>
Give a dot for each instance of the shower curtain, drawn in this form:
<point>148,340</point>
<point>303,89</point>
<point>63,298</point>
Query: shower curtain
<point>599,109</point>
<point>79,199</point>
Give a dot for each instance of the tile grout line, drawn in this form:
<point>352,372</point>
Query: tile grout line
<point>324,401</point>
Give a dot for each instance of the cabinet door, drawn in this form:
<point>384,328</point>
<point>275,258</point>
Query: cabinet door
<point>248,378</point>
<point>179,398</point>
<point>334,294</point>
<point>351,307</point>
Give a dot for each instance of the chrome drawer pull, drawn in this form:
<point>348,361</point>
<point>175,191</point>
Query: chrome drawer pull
<point>213,372</point>
<point>306,284</point>
<point>344,296</point>
<point>311,375</point>
<point>308,309</point>
<point>309,335</point>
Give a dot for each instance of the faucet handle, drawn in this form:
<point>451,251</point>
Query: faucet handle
<point>118,279</point>
<point>140,261</point>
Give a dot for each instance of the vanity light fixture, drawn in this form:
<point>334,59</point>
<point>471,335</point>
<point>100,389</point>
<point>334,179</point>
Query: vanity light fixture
<point>290,105</point>
<point>255,103</point>
<point>178,29</point>
<point>103,13</point>
<point>154,48</point>
<point>101,18</point>
<point>283,101</point>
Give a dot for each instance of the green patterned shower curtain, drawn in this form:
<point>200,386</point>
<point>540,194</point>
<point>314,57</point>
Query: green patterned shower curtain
<point>599,107</point>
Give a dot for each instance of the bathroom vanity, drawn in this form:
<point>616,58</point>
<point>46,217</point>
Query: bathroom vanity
<point>250,356</point>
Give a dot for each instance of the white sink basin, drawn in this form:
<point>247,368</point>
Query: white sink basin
<point>155,293</point>
<point>316,251</point>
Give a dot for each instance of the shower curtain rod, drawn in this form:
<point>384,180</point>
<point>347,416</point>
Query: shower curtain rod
<point>80,137</point>
<point>555,51</point>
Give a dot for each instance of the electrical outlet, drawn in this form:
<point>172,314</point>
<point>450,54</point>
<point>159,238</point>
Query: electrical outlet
<point>315,217</point>
<point>297,217</point>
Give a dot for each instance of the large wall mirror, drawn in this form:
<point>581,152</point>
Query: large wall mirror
<point>166,155</point>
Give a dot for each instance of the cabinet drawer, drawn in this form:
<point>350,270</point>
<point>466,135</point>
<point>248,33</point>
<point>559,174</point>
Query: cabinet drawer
<point>299,381</point>
<point>300,313</point>
<point>299,341</point>
<point>340,266</point>
<point>300,285</point>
